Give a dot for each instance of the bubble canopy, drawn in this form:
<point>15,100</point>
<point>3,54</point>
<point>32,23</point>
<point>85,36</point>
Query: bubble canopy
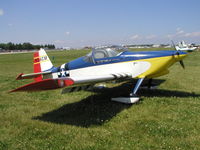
<point>104,52</point>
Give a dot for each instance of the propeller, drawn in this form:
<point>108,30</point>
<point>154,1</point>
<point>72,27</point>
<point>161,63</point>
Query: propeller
<point>173,44</point>
<point>177,53</point>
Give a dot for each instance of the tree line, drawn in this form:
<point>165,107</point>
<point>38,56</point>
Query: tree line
<point>24,46</point>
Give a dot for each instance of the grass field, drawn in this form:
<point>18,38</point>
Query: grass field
<point>166,118</point>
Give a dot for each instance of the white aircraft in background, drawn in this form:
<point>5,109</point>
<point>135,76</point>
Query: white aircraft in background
<point>182,46</point>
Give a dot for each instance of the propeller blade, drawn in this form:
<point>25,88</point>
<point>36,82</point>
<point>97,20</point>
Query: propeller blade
<point>182,64</point>
<point>174,46</point>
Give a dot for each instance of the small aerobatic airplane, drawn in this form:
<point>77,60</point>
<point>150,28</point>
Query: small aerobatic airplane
<point>100,65</point>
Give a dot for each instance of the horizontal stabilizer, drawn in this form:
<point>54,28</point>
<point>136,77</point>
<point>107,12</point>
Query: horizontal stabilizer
<point>47,84</point>
<point>31,75</point>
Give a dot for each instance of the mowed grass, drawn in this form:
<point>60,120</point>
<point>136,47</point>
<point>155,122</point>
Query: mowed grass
<point>166,118</point>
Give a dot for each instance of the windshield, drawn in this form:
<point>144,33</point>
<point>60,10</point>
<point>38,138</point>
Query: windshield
<point>88,58</point>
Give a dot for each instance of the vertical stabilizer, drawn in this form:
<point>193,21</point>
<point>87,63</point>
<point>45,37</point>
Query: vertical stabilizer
<point>41,63</point>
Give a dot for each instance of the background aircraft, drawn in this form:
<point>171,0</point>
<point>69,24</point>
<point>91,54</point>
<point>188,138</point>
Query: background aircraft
<point>182,46</point>
<point>100,65</point>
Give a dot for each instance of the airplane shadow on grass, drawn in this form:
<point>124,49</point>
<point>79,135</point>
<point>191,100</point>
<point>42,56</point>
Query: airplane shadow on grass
<point>98,108</point>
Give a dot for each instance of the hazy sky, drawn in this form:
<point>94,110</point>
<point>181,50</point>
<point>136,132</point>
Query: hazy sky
<point>76,23</point>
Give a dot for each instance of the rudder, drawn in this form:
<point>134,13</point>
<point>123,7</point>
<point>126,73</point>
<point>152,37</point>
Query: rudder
<point>41,63</point>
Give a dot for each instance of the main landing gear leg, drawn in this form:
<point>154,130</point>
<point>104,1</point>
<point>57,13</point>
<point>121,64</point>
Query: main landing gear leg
<point>133,97</point>
<point>150,83</point>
